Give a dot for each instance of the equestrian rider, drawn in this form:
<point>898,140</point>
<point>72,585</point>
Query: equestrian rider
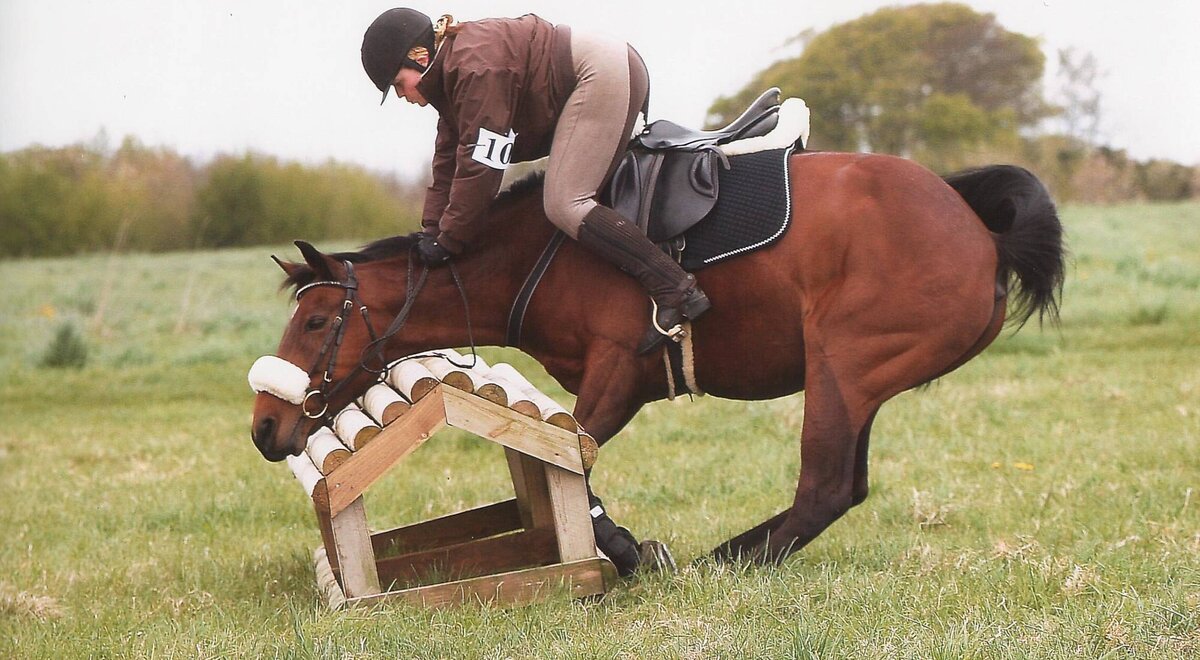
<point>517,89</point>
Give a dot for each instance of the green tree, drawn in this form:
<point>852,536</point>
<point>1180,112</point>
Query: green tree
<point>929,81</point>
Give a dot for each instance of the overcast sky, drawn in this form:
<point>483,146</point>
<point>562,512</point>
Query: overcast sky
<point>285,78</point>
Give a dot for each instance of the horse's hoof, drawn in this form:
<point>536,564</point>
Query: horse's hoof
<point>655,556</point>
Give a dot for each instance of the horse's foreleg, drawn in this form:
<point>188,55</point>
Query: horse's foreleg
<point>604,406</point>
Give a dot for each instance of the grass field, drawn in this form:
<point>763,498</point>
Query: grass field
<point>1042,501</point>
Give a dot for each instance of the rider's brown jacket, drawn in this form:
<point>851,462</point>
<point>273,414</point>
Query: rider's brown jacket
<point>492,80</point>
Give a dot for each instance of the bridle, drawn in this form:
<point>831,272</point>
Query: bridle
<point>372,354</point>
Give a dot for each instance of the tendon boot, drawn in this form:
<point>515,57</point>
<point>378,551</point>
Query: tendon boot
<point>613,540</point>
<point>673,291</point>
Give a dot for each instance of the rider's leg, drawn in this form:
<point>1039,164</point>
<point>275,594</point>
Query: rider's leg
<point>611,87</point>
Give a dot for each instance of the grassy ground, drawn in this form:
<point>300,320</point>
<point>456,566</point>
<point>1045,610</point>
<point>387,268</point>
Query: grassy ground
<point>1039,502</point>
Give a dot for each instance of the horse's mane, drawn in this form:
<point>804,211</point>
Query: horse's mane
<point>392,246</point>
<point>521,187</point>
<point>383,248</point>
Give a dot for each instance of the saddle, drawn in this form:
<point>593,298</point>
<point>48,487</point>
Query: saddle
<point>668,179</point>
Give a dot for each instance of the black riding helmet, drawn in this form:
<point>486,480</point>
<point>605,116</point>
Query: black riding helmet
<point>388,41</point>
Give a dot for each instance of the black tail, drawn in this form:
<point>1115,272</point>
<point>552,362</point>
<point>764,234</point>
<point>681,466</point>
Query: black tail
<point>1017,208</point>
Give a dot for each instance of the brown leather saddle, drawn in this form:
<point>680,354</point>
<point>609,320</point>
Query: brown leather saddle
<point>667,181</point>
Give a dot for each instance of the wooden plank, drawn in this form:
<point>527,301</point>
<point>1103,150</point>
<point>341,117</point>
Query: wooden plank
<point>572,522</point>
<point>460,527</point>
<point>327,585</point>
<point>348,482</point>
<point>354,554</point>
<point>520,488</point>
<point>541,509</point>
<point>511,429</point>
<point>498,554</point>
<point>580,579</point>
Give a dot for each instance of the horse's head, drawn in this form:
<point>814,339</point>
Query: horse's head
<point>316,370</point>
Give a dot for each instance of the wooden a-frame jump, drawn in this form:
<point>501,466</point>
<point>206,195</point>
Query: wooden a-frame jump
<point>514,551</point>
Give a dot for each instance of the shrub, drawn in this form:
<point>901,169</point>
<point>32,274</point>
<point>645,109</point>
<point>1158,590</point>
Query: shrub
<point>67,350</point>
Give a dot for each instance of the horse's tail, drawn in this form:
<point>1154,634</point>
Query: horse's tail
<point>1017,208</point>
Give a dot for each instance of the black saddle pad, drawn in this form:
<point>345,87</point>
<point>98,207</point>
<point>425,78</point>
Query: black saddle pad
<point>752,211</point>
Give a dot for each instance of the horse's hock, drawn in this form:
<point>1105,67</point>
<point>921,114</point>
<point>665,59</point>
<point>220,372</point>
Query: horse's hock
<point>517,550</point>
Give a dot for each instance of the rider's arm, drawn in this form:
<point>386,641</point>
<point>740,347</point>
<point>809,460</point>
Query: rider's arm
<point>445,157</point>
<point>484,102</point>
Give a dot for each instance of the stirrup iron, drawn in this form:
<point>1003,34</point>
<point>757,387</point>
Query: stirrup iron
<point>676,333</point>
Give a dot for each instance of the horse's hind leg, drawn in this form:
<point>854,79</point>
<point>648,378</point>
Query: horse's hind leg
<point>835,415</point>
<point>751,541</point>
<point>847,377</point>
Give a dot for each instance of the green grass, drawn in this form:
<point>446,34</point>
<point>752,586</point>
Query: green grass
<point>1040,502</point>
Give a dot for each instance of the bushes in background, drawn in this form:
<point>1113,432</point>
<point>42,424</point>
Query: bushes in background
<point>86,198</point>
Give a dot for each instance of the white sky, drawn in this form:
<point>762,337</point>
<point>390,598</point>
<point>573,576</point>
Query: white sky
<point>285,78</point>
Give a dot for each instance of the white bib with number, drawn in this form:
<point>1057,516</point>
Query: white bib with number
<point>493,149</point>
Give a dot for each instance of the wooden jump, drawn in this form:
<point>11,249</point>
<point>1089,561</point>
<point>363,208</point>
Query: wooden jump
<point>513,551</point>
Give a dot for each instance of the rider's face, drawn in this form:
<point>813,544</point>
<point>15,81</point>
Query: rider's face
<point>405,84</point>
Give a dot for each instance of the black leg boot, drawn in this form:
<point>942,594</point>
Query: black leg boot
<point>674,292</point>
<point>615,541</point>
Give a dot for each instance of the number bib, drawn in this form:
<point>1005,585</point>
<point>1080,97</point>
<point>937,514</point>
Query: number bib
<point>494,149</point>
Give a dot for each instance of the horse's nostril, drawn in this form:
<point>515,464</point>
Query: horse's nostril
<point>264,433</point>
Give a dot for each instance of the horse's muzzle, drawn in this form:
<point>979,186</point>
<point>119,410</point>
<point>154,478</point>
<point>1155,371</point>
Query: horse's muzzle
<point>263,434</point>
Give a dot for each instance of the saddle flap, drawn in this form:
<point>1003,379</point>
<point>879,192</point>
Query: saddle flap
<point>687,192</point>
<point>665,193</point>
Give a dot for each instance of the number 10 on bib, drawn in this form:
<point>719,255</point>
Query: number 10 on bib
<point>494,149</point>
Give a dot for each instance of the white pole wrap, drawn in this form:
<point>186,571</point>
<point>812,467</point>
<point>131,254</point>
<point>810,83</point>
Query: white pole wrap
<point>279,378</point>
<point>306,473</point>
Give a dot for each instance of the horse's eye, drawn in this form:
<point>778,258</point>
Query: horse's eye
<point>314,323</point>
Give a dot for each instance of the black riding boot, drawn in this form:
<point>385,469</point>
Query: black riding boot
<point>674,292</point>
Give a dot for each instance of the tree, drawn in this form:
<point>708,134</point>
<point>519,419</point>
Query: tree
<point>1079,96</point>
<point>924,81</point>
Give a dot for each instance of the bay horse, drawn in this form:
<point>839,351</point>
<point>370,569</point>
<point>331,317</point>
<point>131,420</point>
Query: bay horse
<point>888,278</point>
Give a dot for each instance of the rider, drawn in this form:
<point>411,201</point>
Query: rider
<point>516,89</point>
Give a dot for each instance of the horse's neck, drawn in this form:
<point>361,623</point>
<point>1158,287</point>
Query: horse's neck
<point>491,278</point>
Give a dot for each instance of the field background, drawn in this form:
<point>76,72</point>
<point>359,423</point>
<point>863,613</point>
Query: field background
<point>1039,502</point>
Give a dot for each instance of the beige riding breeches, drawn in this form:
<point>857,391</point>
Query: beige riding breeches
<point>595,125</point>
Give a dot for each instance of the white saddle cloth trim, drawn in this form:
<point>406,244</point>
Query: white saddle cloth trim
<point>793,125</point>
<point>280,378</point>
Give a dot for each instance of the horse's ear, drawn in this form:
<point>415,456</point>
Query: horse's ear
<point>288,267</point>
<point>316,260</point>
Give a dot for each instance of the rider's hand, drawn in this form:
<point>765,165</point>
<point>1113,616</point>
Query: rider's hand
<point>430,252</point>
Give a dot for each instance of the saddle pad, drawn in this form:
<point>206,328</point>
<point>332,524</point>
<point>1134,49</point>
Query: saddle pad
<point>752,211</point>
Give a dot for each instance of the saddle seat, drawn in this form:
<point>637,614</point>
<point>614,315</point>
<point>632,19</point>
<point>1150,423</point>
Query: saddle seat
<point>667,181</point>
<point>758,119</point>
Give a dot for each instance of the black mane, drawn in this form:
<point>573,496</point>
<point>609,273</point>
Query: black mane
<point>383,248</point>
<point>522,187</point>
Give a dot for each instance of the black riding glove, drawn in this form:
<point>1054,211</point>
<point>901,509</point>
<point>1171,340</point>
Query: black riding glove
<point>430,252</point>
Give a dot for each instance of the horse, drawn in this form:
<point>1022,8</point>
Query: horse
<point>889,277</point>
